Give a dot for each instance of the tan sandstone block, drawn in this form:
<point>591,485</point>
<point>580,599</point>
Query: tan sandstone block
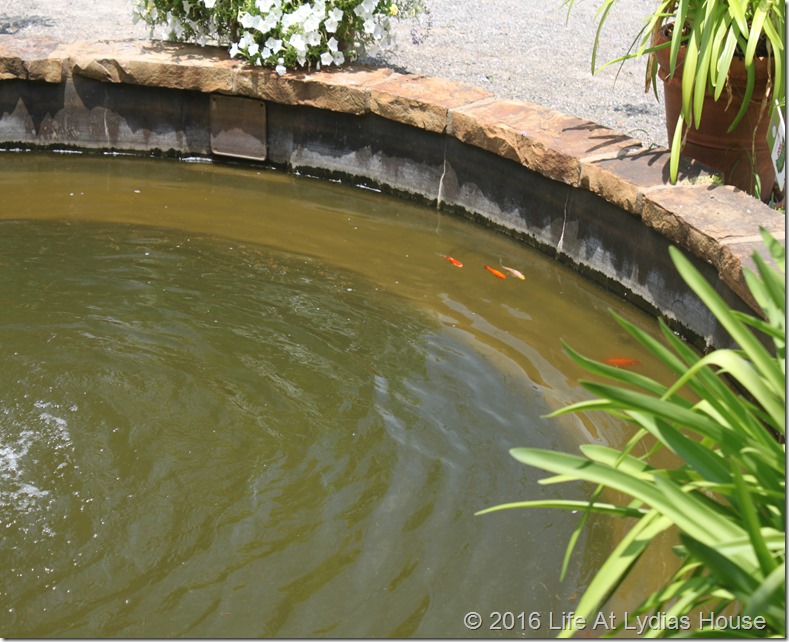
<point>624,179</point>
<point>717,223</point>
<point>702,218</point>
<point>154,64</point>
<point>422,101</point>
<point>37,58</point>
<point>211,70</point>
<point>342,90</point>
<point>537,137</point>
<point>738,254</point>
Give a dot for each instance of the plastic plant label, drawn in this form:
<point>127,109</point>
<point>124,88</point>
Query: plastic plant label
<point>776,140</point>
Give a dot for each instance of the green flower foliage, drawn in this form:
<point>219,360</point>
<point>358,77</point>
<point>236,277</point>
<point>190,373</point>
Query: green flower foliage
<point>726,497</point>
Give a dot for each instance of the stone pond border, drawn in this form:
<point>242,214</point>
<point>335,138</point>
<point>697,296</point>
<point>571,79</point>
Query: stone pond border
<point>594,198</point>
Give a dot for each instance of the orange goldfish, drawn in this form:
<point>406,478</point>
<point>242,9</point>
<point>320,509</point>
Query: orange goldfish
<point>495,272</point>
<point>454,262</point>
<point>621,362</point>
<point>514,272</point>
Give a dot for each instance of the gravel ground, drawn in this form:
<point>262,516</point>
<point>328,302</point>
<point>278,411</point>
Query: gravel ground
<point>524,49</point>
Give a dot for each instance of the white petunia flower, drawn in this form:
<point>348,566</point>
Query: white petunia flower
<point>253,49</point>
<point>174,25</point>
<point>327,58</point>
<point>298,43</point>
<point>234,50</point>
<point>246,20</point>
<point>333,44</point>
<point>280,68</point>
<point>287,21</point>
<point>274,44</point>
<point>313,38</point>
<point>297,17</point>
<point>339,58</point>
<point>319,8</point>
<point>270,22</point>
<point>365,9</point>
<point>381,34</point>
<point>266,5</point>
<point>209,4</point>
<point>246,40</point>
<point>258,24</point>
<point>312,23</point>
<point>332,22</point>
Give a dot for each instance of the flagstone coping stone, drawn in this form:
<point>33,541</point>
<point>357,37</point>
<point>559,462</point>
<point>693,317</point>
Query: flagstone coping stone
<point>716,223</point>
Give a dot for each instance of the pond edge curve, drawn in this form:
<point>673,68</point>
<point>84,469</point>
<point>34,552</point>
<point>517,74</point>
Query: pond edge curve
<point>592,197</point>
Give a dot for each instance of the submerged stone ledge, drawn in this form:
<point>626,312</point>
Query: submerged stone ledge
<point>594,197</point>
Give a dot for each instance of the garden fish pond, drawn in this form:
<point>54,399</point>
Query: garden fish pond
<point>241,403</point>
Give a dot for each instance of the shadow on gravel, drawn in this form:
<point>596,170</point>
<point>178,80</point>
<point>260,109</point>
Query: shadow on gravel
<point>9,25</point>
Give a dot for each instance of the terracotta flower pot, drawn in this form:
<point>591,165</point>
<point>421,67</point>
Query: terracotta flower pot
<point>741,154</point>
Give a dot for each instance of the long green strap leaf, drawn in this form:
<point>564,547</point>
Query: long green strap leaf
<point>737,9</point>
<point>724,61</point>
<point>757,23</point>
<point>762,596</point>
<point>676,149</point>
<point>739,332</point>
<point>713,11</point>
<point>750,521</point>
<point>632,400</point>
<point>618,564</point>
<point>702,459</point>
<point>690,514</point>
<point>569,504</point>
<point>689,78</point>
<point>731,363</point>
<point>775,37</point>
<point>736,579</point>
<point>681,14</point>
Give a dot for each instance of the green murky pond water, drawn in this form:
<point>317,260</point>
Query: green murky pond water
<point>237,403</point>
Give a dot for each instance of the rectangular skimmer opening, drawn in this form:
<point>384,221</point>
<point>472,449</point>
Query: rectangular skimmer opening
<point>238,127</point>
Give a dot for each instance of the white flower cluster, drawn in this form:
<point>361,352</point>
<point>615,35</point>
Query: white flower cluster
<point>308,33</point>
<point>183,23</point>
<point>280,33</point>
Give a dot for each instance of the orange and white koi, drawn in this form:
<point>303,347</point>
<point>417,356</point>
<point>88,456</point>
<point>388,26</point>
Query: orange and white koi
<point>495,272</point>
<point>514,272</point>
<point>621,362</point>
<point>453,261</point>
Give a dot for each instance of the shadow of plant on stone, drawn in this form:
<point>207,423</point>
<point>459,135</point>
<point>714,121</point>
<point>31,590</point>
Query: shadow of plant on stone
<point>11,25</point>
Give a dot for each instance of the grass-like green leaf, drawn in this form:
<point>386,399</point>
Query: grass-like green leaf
<point>569,504</point>
<point>738,331</point>
<point>689,513</point>
<point>760,599</point>
<point>619,563</point>
<point>728,573</point>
